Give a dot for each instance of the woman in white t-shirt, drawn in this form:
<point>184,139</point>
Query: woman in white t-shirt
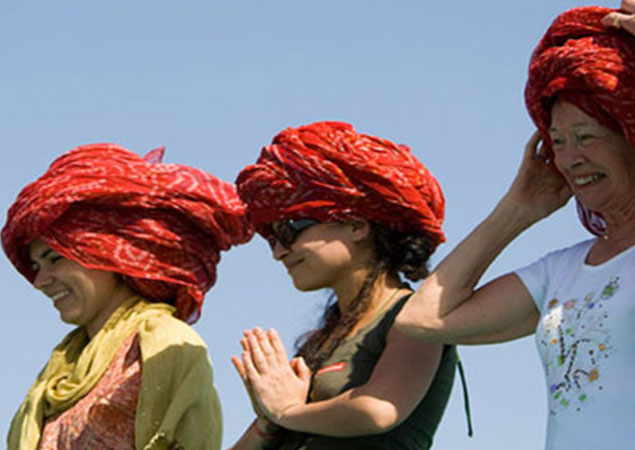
<point>578,301</point>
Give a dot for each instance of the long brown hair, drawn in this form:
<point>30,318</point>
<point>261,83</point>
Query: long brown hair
<point>394,253</point>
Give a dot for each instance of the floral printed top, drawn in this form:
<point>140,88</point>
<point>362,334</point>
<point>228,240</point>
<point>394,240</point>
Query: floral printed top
<point>586,340</point>
<point>105,418</point>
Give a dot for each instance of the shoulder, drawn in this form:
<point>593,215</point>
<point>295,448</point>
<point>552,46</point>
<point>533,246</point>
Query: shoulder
<point>165,332</point>
<point>386,322</point>
<point>393,310</point>
<point>576,251</point>
<point>557,258</point>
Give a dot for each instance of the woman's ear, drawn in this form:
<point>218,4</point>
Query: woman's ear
<point>360,230</point>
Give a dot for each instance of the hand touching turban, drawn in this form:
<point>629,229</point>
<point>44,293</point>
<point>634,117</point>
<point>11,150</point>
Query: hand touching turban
<point>581,61</point>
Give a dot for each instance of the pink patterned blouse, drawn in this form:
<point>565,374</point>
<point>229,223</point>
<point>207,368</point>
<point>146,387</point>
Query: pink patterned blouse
<point>105,418</point>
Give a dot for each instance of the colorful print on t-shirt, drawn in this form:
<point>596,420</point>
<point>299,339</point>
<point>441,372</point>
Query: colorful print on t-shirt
<point>575,342</point>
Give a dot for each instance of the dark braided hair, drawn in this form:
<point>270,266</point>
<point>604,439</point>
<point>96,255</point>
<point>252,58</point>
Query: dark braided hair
<point>395,253</point>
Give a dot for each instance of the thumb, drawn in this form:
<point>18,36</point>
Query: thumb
<point>301,369</point>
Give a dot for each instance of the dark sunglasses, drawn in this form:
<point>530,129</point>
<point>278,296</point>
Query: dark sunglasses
<point>287,231</point>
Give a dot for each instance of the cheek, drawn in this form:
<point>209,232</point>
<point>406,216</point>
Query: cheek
<point>95,285</point>
<point>560,171</point>
<point>627,179</point>
<point>557,160</point>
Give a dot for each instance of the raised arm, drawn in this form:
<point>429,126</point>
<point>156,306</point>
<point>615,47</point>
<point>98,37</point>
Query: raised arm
<point>396,386</point>
<point>446,308</point>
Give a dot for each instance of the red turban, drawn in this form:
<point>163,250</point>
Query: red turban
<point>162,226</point>
<point>593,67</point>
<point>329,172</point>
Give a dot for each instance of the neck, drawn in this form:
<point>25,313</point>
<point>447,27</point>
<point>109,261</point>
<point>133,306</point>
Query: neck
<point>620,225</point>
<point>383,287</point>
<point>119,297</point>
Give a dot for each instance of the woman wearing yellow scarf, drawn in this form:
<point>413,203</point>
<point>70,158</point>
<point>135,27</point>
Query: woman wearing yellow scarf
<point>125,248</point>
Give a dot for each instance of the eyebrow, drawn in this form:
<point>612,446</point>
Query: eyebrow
<point>575,125</point>
<point>45,253</point>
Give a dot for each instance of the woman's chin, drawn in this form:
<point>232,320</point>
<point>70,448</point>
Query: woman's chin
<point>70,318</point>
<point>304,285</point>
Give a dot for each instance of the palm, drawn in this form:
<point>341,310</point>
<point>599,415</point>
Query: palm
<point>538,185</point>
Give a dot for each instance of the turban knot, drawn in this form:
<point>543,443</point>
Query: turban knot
<point>581,61</point>
<point>329,172</point>
<point>161,226</point>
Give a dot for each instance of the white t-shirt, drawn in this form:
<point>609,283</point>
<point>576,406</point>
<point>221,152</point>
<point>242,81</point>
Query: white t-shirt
<point>586,340</point>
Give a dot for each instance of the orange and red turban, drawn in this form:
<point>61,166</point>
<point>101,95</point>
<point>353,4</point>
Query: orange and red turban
<point>591,66</point>
<point>329,172</point>
<point>162,226</point>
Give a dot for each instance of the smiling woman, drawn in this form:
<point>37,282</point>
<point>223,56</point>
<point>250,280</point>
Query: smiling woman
<point>598,163</point>
<point>83,296</point>
<point>578,301</point>
<point>125,248</point>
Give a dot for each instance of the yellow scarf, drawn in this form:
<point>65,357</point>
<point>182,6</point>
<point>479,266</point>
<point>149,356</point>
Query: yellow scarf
<point>177,404</point>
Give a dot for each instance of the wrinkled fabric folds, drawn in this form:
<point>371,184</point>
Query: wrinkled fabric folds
<point>591,66</point>
<point>162,226</point>
<point>329,172</point>
<point>176,395</point>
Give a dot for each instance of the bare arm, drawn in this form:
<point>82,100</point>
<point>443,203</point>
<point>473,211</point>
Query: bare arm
<point>252,439</point>
<point>396,386</point>
<point>447,308</point>
<point>500,311</point>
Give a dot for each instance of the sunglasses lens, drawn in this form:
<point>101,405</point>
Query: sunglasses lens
<point>287,231</point>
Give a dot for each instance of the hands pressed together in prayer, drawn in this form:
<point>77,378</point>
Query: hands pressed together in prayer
<point>624,18</point>
<point>275,385</point>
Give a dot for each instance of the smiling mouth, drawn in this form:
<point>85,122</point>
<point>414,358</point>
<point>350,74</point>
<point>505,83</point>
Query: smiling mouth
<point>60,295</point>
<point>588,179</point>
<point>293,264</point>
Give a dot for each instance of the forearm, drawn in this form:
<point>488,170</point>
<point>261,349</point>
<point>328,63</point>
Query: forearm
<point>523,327</point>
<point>352,413</point>
<point>454,280</point>
<point>253,439</point>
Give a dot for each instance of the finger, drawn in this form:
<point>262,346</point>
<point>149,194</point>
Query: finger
<point>531,149</point>
<point>239,367</point>
<point>542,152</point>
<point>265,345</point>
<point>618,20</point>
<point>612,19</point>
<point>628,6</point>
<point>277,345</point>
<point>250,368</point>
<point>258,359</point>
<point>628,23</point>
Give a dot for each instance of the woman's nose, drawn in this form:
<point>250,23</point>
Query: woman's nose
<point>42,278</point>
<point>568,155</point>
<point>279,251</point>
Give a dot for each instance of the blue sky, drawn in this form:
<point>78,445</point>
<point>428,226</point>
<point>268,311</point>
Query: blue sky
<point>214,81</point>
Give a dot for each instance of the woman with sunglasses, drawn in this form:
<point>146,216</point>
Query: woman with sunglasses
<point>348,212</point>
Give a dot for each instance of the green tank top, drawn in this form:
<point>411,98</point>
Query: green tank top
<point>352,364</point>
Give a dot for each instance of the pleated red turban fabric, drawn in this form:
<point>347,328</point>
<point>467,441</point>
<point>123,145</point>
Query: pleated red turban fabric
<point>329,172</point>
<point>593,67</point>
<point>162,226</point>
